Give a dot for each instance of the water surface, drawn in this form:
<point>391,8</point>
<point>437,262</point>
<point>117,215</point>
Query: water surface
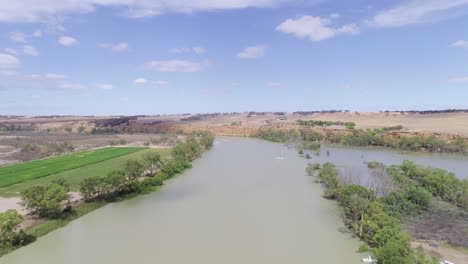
<point>239,204</point>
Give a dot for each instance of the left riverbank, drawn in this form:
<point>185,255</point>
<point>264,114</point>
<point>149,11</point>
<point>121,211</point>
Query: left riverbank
<point>135,177</point>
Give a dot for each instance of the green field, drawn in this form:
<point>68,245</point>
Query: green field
<point>40,168</point>
<point>75,176</point>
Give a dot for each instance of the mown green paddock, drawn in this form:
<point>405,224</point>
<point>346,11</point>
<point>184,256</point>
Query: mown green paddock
<point>73,168</point>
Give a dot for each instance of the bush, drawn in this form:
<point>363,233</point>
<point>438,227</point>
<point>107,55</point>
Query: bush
<point>44,200</point>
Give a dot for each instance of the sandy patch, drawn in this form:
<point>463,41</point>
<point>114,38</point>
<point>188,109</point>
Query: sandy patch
<point>450,254</point>
<point>11,203</point>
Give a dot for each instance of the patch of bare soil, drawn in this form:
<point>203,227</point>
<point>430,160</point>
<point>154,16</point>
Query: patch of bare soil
<point>443,253</point>
<point>443,222</point>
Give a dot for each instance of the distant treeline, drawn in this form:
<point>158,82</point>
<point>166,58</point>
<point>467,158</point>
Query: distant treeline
<point>349,125</point>
<point>112,122</point>
<point>370,138</point>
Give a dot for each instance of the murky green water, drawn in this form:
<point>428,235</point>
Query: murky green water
<point>239,204</point>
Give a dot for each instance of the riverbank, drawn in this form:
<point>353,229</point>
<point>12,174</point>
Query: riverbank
<point>137,179</point>
<point>237,204</point>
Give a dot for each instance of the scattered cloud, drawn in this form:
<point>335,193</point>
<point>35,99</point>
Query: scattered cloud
<point>417,12</point>
<point>119,47</point>
<point>9,61</point>
<point>8,73</point>
<point>11,51</point>
<point>29,11</point>
<point>274,84</point>
<point>140,81</point>
<point>37,33</point>
<point>458,80</point>
<point>253,52</point>
<point>214,91</point>
<point>158,83</point>
<point>315,28</point>
<point>196,50</point>
<point>44,77</point>
<point>104,86</point>
<point>30,50</point>
<point>175,66</point>
<point>17,36</point>
<point>70,86</point>
<point>67,41</point>
<point>460,44</point>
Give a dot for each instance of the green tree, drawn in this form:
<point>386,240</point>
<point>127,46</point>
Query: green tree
<point>133,169</point>
<point>152,161</point>
<point>355,200</point>
<point>44,200</point>
<point>8,221</point>
<point>81,129</point>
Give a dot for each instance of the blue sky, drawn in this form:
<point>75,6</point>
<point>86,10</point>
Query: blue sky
<point>112,57</point>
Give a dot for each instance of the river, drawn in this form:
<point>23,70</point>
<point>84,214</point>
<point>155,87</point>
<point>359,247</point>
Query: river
<point>245,201</point>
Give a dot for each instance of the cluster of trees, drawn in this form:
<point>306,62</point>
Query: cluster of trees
<point>9,237</point>
<point>369,138</point>
<point>274,135</point>
<point>369,218</point>
<point>438,182</point>
<point>138,176</point>
<point>348,125</point>
<point>52,201</point>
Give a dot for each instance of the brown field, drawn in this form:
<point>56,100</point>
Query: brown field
<point>444,123</point>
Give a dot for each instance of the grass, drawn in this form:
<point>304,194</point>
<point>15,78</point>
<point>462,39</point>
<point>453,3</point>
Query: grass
<point>40,168</point>
<point>50,225</point>
<point>75,176</point>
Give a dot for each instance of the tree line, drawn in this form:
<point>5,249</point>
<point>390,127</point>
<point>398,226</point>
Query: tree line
<point>373,219</point>
<point>52,200</point>
<point>369,138</point>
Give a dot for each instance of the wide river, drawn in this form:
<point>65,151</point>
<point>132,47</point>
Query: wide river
<point>245,201</point>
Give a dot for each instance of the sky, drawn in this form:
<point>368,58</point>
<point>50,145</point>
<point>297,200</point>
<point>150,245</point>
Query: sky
<point>148,57</point>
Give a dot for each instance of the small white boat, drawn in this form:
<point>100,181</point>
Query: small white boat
<point>280,158</point>
<point>369,259</point>
<point>446,262</point>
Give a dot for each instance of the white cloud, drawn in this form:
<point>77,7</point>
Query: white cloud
<point>119,47</point>
<point>67,41</point>
<point>274,84</point>
<point>104,86</point>
<point>17,36</point>
<point>30,50</point>
<point>71,86</point>
<point>37,33</point>
<point>458,80</point>
<point>460,43</point>
<point>44,77</point>
<point>175,66</point>
<point>158,83</point>
<point>140,81</point>
<point>8,73</point>
<point>253,52</point>
<point>417,12</point>
<point>9,61</point>
<point>315,28</point>
<point>46,11</point>
<point>196,50</point>
<point>11,51</point>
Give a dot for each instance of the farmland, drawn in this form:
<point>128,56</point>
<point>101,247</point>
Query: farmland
<point>40,168</point>
<point>74,176</point>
